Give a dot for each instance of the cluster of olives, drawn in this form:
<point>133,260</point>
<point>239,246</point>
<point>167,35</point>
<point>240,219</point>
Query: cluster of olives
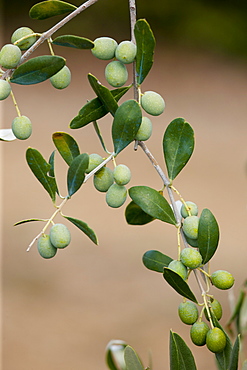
<point>200,333</point>
<point>111,182</point>
<point>58,238</point>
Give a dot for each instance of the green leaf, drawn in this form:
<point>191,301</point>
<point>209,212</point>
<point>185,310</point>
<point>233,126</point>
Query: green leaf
<point>28,220</point>
<point>208,235</point>
<point>136,216</point>
<point>6,134</point>
<point>181,357</point>
<point>97,130</point>
<point>145,43</point>
<point>84,228</point>
<point>178,146</point>
<point>155,260</point>
<point>235,355</point>
<point>115,355</point>
<point>126,123</point>
<point>177,283</point>
<point>152,203</point>
<point>76,173</point>
<point>72,41</point>
<point>132,360</point>
<point>37,69</point>
<point>40,168</point>
<point>51,172</point>
<point>47,9</point>
<point>66,145</point>
<point>95,109</point>
<point>103,94</point>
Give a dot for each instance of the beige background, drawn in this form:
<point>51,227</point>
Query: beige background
<point>61,313</point>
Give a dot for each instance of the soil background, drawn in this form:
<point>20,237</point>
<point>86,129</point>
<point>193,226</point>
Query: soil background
<point>59,314</point>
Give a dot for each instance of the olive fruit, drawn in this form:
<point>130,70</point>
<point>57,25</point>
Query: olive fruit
<point>198,333</point>
<point>216,308</point>
<point>191,258</point>
<point>94,160</point>
<point>152,103</point>
<point>188,312</point>
<point>222,279</point>
<point>104,48</point>
<point>19,34</point>
<point>5,89</point>
<point>45,248</point>
<point>60,235</point>
<point>126,52</point>
<point>190,226</point>
<point>103,179</point>
<point>122,174</point>
<point>179,268</point>
<point>116,73</point>
<point>22,127</point>
<point>116,195</point>
<point>216,340</point>
<point>61,79</point>
<point>145,130</point>
<point>192,207</point>
<point>10,56</point>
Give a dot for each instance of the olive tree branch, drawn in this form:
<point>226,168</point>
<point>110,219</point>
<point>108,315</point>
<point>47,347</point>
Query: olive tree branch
<point>46,35</point>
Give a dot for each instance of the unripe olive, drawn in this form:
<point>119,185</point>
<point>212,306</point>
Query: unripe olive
<point>45,248</point>
<point>190,226</point>
<point>116,73</point>
<point>103,179</point>
<point>152,103</point>
<point>5,89</point>
<point>22,127</point>
<point>61,79</point>
<point>126,52</point>
<point>198,333</point>
<point>145,130</point>
<point>116,195</point>
<point>19,34</point>
<point>122,174</point>
<point>94,160</point>
<point>10,56</point>
<point>222,279</point>
<point>191,258</point>
<point>188,312</point>
<point>104,48</point>
<point>192,207</point>
<point>216,340</point>
<point>179,268</point>
<point>216,308</point>
<point>60,236</point>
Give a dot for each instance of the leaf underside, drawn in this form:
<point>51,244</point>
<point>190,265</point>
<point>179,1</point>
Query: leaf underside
<point>48,9</point>
<point>181,357</point>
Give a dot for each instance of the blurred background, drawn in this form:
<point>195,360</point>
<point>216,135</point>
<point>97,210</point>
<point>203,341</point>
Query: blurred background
<point>61,313</point>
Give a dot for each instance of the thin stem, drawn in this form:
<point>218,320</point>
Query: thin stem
<point>46,35</point>
<point>96,169</point>
<point>132,9</point>
<point>15,104</point>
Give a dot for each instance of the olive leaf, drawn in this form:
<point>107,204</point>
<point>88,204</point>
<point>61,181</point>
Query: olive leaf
<point>76,173</point>
<point>155,260</point>
<point>208,235</point>
<point>47,9</point>
<point>234,359</point>
<point>84,228</point>
<point>66,145</point>
<point>72,41</point>
<point>181,357</point>
<point>132,360</point>
<point>134,215</point>
<point>177,283</point>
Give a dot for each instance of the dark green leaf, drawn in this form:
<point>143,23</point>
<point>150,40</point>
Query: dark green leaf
<point>208,235</point>
<point>126,123</point>
<point>40,168</point>
<point>71,41</point>
<point>84,228</point>
<point>97,130</point>
<point>145,43</point>
<point>136,216</point>
<point>103,94</point>
<point>235,316</point>
<point>178,146</point>
<point>51,172</point>
<point>132,360</point>
<point>47,9</point>
<point>177,283</point>
<point>152,203</point>
<point>37,69</point>
<point>76,173</point>
<point>155,260</point>
<point>28,220</point>
<point>95,109</point>
<point>235,355</point>
<point>66,145</point>
<point>181,357</point>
